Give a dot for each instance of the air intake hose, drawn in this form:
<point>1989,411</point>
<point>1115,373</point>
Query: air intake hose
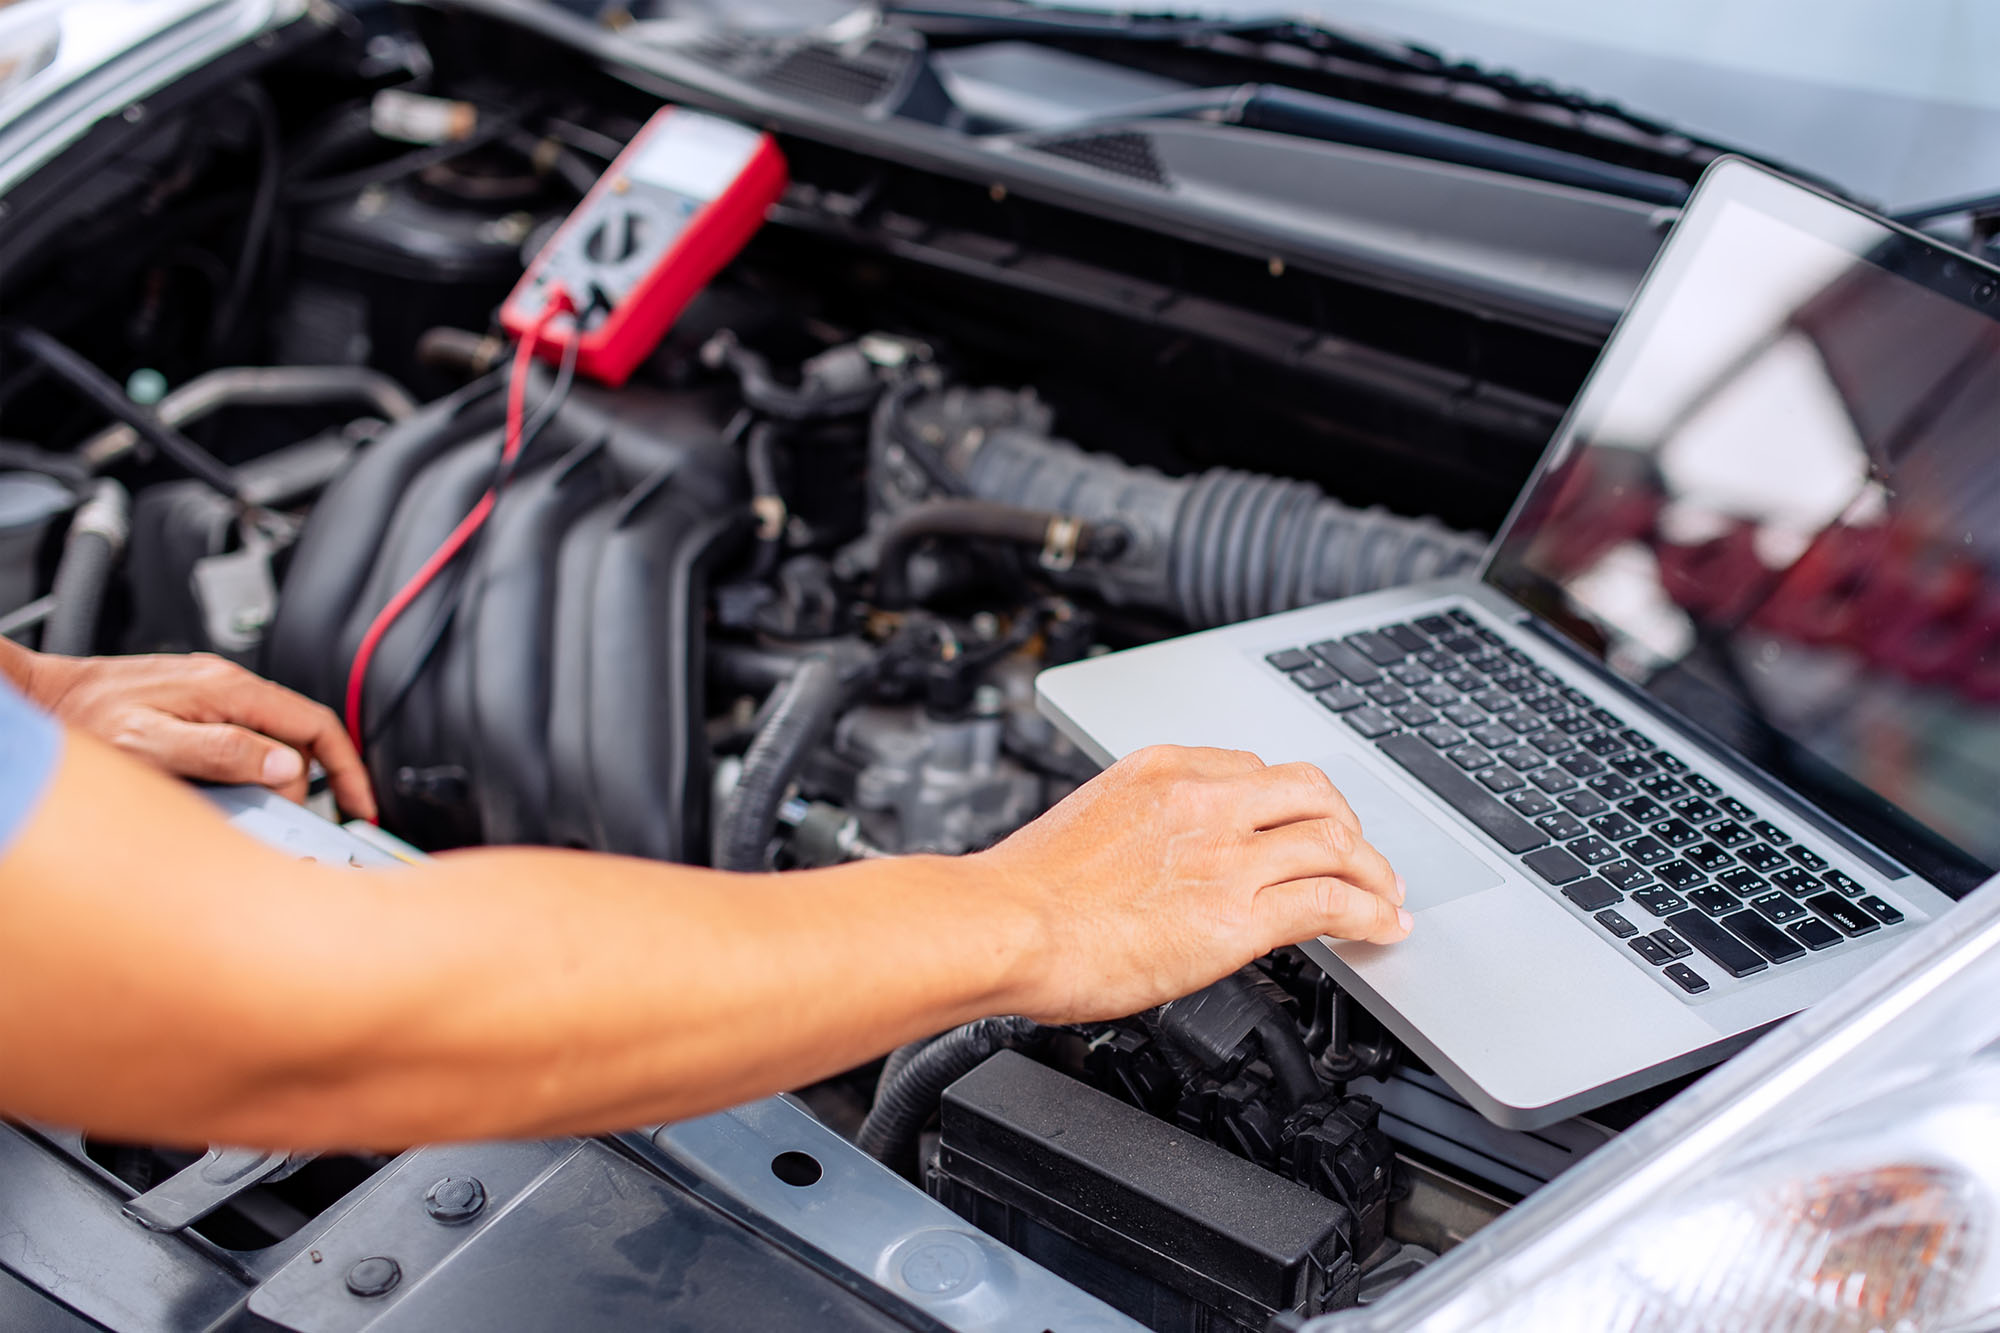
<point>1214,548</point>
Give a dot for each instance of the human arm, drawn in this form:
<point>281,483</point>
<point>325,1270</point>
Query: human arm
<point>197,716</point>
<point>164,978</point>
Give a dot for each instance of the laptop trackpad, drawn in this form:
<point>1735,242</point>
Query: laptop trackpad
<point>1434,867</point>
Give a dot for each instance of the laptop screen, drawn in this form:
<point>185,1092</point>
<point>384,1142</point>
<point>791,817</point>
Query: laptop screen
<point>1775,509</point>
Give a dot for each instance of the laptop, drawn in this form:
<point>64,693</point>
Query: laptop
<point>1717,721</point>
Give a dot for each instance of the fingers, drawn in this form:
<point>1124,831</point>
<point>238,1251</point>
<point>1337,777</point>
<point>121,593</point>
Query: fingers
<point>1286,793</point>
<point>217,752</point>
<point>309,728</point>
<point>1305,909</point>
<point>1311,848</point>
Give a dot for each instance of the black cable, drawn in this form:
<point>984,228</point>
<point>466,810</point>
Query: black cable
<point>409,164</point>
<point>263,210</point>
<point>103,391</point>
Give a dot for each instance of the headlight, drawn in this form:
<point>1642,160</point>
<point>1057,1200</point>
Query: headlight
<point>1841,1176</point>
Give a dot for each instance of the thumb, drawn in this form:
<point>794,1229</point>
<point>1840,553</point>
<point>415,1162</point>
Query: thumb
<point>1303,909</point>
<point>219,752</point>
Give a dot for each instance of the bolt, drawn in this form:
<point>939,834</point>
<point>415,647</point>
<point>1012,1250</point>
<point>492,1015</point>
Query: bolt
<point>135,113</point>
<point>455,1198</point>
<point>374,1276</point>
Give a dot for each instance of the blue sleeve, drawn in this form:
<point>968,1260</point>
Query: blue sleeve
<point>30,744</point>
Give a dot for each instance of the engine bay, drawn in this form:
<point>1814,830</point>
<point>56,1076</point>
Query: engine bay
<point>779,599</point>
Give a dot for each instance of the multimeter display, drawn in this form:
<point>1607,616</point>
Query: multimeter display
<point>682,199</point>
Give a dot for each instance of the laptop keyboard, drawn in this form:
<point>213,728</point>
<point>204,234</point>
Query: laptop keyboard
<point>1689,879</point>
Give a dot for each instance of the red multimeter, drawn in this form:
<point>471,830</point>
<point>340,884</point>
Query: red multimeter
<point>677,205</point>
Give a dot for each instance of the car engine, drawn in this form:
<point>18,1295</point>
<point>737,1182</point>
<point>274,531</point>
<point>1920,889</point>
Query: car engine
<point>779,600</point>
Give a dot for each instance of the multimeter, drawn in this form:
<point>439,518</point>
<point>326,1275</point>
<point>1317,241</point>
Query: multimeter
<point>682,199</point>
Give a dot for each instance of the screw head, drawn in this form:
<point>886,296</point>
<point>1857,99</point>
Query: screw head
<point>374,1276</point>
<point>455,1198</point>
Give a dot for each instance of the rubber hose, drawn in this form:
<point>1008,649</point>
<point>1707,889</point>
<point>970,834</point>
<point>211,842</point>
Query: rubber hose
<point>1291,1063</point>
<point>976,519</point>
<point>90,554</point>
<point>904,1104</point>
<point>799,719</point>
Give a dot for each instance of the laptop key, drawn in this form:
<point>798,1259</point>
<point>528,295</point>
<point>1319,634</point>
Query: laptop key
<point>1438,660</point>
<point>1743,880</point>
<point>1611,787</point>
<point>1560,825</point>
<point>1463,617</point>
<point>1631,766</point>
<point>1714,901</point>
<point>1471,758</point>
<point>1530,803</point>
<point>1493,736</point>
<point>1501,779</point>
<point>1377,648</point>
<point>1584,804</point>
<point>1441,736</point>
<point>1521,757</point>
<point>1759,857</point>
<point>1462,794</point>
<point>1615,826</point>
<point>1493,701</point>
<point>1341,698</point>
<point>1555,865</point>
<point>1850,918</point>
<point>1314,678</point>
<point>1814,933</point>
<point>1624,876</point>
<point>1370,722</point>
<point>1290,659</point>
<point>1552,743</point>
<point>1571,724</point>
<point>1463,644</point>
<point>1643,809</point>
<point>1524,720</point>
<point>1770,833</point>
<point>1701,785</point>
<point>1346,661</point>
<point>1794,880</point>
<point>1593,851</point>
<point>1435,626</point>
<point>1707,857</point>
<point>1807,857</point>
<point>1552,779</point>
<point>1675,832</point>
<point>1592,894</point>
<point>1637,739</point>
<point>1602,744</point>
<point>1670,761</point>
<point>1723,949</point>
<point>1764,937</point>
<point>1685,977</point>
<point>1411,674</point>
<point>1442,696</point>
<point>1579,765</point>
<point>1845,882</point>
<point>1387,693</point>
<point>1660,902</point>
<point>1778,907</point>
<point>1415,715</point>
<point>1616,924</point>
<point>1405,638</point>
<point>1462,714</point>
<point>1661,787</point>
<point>1735,809</point>
<point>1649,949</point>
<point>1675,946</point>
<point>1677,875</point>
<point>1648,851</point>
<point>1880,910</point>
<point>1729,833</point>
<point>1695,810</point>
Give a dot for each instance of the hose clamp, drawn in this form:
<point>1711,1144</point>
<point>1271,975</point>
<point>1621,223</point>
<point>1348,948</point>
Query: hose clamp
<point>1060,542</point>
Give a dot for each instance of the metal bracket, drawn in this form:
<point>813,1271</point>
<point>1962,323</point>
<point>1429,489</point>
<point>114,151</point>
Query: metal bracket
<point>197,1190</point>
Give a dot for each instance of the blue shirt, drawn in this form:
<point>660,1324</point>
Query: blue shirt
<point>30,744</point>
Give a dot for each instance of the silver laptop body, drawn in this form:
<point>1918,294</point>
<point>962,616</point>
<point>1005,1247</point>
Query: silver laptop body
<point>1739,553</point>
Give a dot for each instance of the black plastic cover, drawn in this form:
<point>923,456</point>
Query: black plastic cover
<point>1174,1230</point>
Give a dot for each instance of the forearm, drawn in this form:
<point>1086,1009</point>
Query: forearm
<point>491,993</point>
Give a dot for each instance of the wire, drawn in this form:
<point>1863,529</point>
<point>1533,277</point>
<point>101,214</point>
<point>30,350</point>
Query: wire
<point>263,206</point>
<point>469,526</point>
<point>104,392</point>
<point>455,597</point>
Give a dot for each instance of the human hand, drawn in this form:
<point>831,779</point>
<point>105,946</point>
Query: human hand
<point>1176,866</point>
<point>199,716</point>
